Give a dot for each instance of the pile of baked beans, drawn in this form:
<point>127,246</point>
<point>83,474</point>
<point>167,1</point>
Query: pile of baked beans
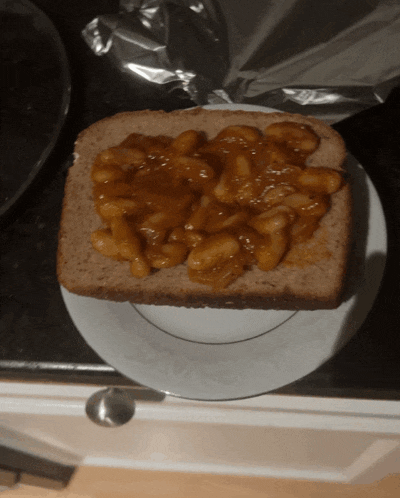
<point>220,205</point>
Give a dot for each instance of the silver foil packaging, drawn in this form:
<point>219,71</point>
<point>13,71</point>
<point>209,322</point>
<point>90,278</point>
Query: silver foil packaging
<point>330,59</point>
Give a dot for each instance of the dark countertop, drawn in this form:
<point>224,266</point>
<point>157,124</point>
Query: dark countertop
<point>37,338</point>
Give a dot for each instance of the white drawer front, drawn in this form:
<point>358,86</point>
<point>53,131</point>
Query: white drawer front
<point>274,436</point>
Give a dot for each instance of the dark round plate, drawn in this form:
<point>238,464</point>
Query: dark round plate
<point>35,96</point>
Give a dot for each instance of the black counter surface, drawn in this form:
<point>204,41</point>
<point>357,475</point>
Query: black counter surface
<point>38,340</point>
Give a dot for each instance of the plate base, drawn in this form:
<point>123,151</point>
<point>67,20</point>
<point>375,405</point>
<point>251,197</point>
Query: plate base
<point>213,326</point>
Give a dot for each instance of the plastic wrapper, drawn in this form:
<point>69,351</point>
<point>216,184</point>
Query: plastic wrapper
<point>329,59</point>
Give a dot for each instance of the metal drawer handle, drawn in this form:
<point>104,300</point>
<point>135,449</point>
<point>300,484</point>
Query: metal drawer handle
<point>111,407</point>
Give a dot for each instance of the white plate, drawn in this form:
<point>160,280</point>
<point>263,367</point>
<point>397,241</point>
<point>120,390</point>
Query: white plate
<point>230,354</point>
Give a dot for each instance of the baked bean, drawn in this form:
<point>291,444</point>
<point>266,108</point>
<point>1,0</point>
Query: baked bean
<point>166,255</point>
<point>193,238</point>
<point>192,169</point>
<point>134,157</point>
<point>250,239</point>
<point>140,268</point>
<point>319,207</point>
<point>127,241</point>
<point>273,154</point>
<point>156,219</point>
<point>103,241</point>
<point>214,251</point>
<point>297,200</point>
<point>108,174</point>
<point>246,192</point>
<point>247,133</point>
<point>305,205</point>
<point>281,208</point>
<point>177,235</point>
<point>128,251</point>
<point>222,192</point>
<point>187,142</point>
<point>321,180</point>
<point>216,214</point>
<point>163,220</point>
<point>221,276</point>
<point>174,200</point>
<point>303,229</point>
<point>153,235</point>
<point>106,157</point>
<point>282,174</point>
<point>117,207</point>
<point>269,253</point>
<point>158,151</point>
<point>233,188</point>
<point>119,156</point>
<point>197,219</point>
<point>301,138</point>
<point>121,229</point>
<point>267,223</point>
<point>103,191</point>
<point>275,195</point>
<point>226,223</point>
<point>242,166</point>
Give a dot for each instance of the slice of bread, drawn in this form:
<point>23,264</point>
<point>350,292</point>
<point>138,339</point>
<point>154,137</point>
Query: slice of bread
<point>316,284</point>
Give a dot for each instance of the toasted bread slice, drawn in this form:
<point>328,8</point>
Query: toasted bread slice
<point>311,278</point>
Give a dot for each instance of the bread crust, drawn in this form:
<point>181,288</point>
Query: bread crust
<point>85,272</point>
